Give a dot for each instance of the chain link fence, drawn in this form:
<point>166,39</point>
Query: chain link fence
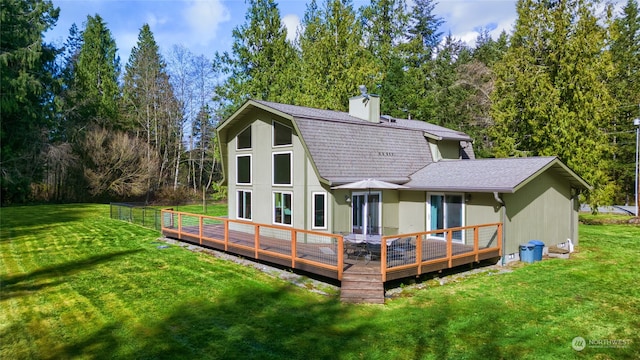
<point>139,214</point>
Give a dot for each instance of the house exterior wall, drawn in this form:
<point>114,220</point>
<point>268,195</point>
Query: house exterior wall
<point>390,210</point>
<point>482,208</point>
<point>449,149</point>
<point>304,180</point>
<point>341,214</point>
<point>541,210</point>
<point>444,149</point>
<point>412,211</point>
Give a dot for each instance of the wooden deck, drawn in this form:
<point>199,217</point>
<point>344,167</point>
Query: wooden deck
<point>362,271</point>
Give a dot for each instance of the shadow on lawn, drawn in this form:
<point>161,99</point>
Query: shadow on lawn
<point>253,323</point>
<point>23,284</point>
<point>259,323</point>
<point>31,220</point>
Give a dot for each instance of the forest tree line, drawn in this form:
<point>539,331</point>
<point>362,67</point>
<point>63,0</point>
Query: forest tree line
<point>78,126</point>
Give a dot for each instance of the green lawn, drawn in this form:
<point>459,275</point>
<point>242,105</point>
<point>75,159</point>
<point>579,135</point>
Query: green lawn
<point>76,284</point>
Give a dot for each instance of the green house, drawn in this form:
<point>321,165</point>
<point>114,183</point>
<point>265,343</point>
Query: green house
<point>292,166</point>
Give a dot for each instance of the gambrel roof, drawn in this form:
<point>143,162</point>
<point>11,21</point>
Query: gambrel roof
<point>345,149</point>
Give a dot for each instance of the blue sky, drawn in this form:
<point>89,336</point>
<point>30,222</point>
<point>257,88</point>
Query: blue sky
<point>205,26</point>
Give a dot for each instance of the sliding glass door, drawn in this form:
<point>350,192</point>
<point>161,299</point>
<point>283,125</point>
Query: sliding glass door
<point>366,213</point>
<point>446,211</point>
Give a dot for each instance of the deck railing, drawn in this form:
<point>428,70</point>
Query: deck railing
<point>404,254</point>
<point>421,252</point>
<point>297,248</point>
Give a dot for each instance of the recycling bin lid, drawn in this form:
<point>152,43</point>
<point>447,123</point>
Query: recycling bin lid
<point>536,242</point>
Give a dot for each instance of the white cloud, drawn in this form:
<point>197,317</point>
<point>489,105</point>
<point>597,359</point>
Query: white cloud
<point>465,18</point>
<point>204,18</point>
<point>153,20</point>
<point>291,22</point>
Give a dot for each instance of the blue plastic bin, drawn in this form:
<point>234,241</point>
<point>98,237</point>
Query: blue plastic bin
<point>537,251</point>
<point>526,252</point>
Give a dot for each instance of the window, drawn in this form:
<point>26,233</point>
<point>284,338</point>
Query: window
<point>243,169</point>
<point>244,204</point>
<point>243,140</point>
<point>282,208</point>
<point>446,211</point>
<point>282,168</point>
<point>319,204</point>
<point>281,135</point>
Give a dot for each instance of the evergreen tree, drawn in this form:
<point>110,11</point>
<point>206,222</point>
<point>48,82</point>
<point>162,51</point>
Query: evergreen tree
<point>424,33</point>
<point>97,72</point>
<point>422,42</point>
<point>149,102</point>
<point>334,60</point>
<point>262,63</point>
<point>385,28</point>
<point>551,96</point>
<point>625,49</point>
<point>67,115</point>
<point>26,75</point>
<point>442,100</point>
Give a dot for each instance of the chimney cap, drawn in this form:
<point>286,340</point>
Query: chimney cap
<point>363,91</point>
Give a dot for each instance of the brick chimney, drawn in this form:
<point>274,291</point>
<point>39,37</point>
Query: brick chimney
<point>365,106</point>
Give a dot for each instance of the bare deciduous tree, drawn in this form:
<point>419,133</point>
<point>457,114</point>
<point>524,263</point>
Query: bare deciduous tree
<point>118,164</point>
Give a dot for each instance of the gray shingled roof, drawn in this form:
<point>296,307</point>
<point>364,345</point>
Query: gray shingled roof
<point>310,113</point>
<point>487,175</point>
<point>345,152</point>
<point>346,149</point>
<point>435,130</point>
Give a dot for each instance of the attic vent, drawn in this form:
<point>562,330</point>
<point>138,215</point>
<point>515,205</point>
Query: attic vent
<point>388,118</point>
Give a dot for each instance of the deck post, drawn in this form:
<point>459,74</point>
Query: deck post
<point>256,241</point>
<point>383,258</point>
<point>200,227</point>
<point>450,247</point>
<point>180,226</point>
<point>476,240</point>
<point>294,251</point>
<point>340,256</point>
<point>226,234</point>
<point>419,253</point>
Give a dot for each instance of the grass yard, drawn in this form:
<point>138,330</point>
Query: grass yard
<point>76,284</point>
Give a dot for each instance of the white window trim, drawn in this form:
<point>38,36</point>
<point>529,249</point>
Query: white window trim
<point>273,165</point>
<point>237,142</point>
<point>250,156</point>
<point>463,209</point>
<point>273,134</point>
<point>238,204</point>
<point>273,207</point>
<point>313,209</point>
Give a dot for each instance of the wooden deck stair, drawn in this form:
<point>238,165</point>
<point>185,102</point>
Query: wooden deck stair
<point>362,287</point>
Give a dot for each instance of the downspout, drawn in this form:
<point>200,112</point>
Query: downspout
<point>502,220</point>
<point>574,206</point>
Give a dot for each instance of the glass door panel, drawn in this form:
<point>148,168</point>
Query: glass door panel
<point>453,214</point>
<point>365,213</point>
